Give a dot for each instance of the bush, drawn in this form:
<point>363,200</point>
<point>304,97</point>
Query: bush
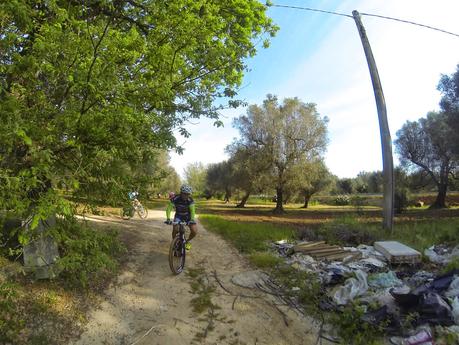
<point>87,255</point>
<point>359,203</point>
<point>401,200</point>
<point>346,231</point>
<point>342,200</point>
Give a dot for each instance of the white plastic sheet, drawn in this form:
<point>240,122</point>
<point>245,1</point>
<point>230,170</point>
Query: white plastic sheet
<point>455,310</point>
<point>453,290</point>
<point>353,288</point>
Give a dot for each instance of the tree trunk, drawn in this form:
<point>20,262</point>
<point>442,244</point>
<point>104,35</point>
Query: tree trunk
<point>440,201</point>
<point>306,201</point>
<point>244,200</point>
<point>227,195</point>
<point>279,200</point>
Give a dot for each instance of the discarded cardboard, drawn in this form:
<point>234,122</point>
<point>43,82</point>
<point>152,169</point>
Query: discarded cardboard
<point>398,253</point>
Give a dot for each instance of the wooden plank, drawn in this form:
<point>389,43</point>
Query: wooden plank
<point>319,250</point>
<point>322,255</point>
<point>310,244</point>
<point>341,256</point>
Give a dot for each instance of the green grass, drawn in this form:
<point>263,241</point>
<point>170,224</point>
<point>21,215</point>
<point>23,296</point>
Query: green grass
<point>423,234</point>
<point>264,260</point>
<point>247,237</point>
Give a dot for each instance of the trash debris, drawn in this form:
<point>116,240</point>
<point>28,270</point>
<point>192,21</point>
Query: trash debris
<point>419,278</point>
<point>442,283</point>
<point>453,290</point>
<point>365,275</point>
<point>404,297</point>
<point>455,310</point>
<point>434,310</point>
<point>382,315</point>
<point>283,248</point>
<point>422,336</point>
<point>441,255</point>
<point>353,287</point>
<point>384,280</point>
<point>398,253</point>
<point>321,251</point>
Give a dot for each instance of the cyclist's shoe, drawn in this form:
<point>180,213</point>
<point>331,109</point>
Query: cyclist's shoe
<point>188,246</point>
<point>168,222</point>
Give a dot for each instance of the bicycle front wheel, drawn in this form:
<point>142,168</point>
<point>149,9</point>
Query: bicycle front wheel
<point>142,211</point>
<point>177,255</point>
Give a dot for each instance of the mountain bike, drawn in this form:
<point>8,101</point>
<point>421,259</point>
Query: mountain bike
<point>136,206</point>
<point>177,249</point>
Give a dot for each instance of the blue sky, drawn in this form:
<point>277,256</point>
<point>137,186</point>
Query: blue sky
<point>319,58</point>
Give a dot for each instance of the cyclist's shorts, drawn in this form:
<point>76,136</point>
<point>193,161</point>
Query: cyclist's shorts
<point>178,218</point>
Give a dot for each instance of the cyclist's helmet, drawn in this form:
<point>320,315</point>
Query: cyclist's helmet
<point>186,189</point>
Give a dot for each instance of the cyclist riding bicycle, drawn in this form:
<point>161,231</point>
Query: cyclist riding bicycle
<point>184,212</point>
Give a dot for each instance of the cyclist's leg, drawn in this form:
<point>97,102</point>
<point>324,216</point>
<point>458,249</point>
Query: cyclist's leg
<point>175,227</point>
<point>193,231</point>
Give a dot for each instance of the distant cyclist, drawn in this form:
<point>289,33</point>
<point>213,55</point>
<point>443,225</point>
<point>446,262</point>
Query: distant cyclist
<point>184,211</point>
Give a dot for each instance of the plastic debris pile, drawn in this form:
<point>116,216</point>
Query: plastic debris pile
<point>389,278</point>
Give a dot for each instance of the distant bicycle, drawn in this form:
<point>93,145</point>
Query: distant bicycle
<point>136,206</point>
<point>177,251</point>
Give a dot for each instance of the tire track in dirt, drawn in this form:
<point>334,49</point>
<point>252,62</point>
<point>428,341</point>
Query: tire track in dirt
<point>149,305</point>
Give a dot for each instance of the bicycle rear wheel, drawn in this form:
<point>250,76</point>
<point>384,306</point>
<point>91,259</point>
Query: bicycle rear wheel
<point>142,211</point>
<point>177,255</point>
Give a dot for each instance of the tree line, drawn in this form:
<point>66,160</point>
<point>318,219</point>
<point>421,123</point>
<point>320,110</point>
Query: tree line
<point>281,151</point>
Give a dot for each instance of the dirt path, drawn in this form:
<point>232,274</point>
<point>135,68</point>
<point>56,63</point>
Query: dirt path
<point>149,305</point>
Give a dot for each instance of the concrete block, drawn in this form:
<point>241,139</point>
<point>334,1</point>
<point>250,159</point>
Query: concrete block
<point>398,253</point>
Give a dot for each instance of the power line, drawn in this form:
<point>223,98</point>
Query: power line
<point>410,22</point>
<point>369,15</point>
<point>312,9</point>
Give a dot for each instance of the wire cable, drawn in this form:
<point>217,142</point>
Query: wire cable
<point>368,15</point>
<point>410,22</point>
<point>312,9</point>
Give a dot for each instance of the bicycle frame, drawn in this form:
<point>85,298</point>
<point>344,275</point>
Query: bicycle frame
<point>181,230</point>
<point>177,249</point>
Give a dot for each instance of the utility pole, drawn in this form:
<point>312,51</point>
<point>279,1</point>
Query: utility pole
<point>386,142</point>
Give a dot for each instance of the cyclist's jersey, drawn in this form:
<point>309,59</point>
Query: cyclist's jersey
<point>184,209</point>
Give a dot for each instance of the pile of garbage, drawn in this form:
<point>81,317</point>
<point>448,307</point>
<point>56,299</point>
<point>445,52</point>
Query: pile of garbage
<point>387,275</point>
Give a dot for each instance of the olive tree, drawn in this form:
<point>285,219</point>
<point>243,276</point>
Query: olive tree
<point>428,145</point>
<point>282,136</point>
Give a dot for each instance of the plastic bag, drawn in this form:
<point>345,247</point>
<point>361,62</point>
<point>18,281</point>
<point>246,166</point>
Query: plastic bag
<point>353,288</point>
<point>384,280</point>
<point>455,310</point>
<point>453,290</point>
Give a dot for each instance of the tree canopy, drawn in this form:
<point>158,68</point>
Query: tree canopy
<point>427,144</point>
<point>90,90</point>
<point>282,136</point>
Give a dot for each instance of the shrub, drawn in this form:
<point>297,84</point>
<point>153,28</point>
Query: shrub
<point>359,203</point>
<point>401,200</point>
<point>347,231</point>
<point>342,200</point>
<point>87,254</point>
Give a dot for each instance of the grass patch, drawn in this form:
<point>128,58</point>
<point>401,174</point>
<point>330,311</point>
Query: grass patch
<point>247,237</point>
<point>421,234</point>
<point>264,260</point>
